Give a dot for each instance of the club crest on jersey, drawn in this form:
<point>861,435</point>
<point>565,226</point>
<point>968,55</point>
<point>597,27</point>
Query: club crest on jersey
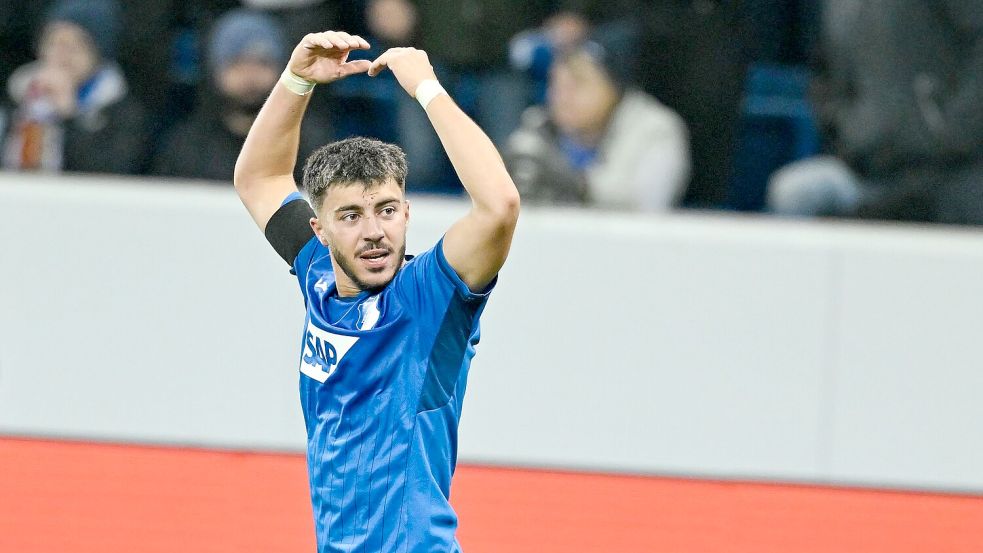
<point>323,351</point>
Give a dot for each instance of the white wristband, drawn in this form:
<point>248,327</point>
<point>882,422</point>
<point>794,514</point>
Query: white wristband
<point>427,91</point>
<point>298,85</point>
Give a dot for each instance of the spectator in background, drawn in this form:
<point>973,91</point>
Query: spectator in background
<point>147,42</point>
<point>901,99</point>
<point>468,45</point>
<point>599,141</point>
<point>361,105</point>
<point>246,54</point>
<point>298,17</point>
<point>73,111</point>
<point>469,40</point>
<point>393,23</point>
<point>572,20</point>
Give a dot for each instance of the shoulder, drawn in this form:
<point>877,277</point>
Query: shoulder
<point>20,80</point>
<point>643,113</point>
<point>642,123</point>
<point>415,264</point>
<point>289,232</point>
<point>428,278</point>
<point>109,92</point>
<point>313,267</point>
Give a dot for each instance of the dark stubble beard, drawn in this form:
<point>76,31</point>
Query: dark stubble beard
<point>349,270</point>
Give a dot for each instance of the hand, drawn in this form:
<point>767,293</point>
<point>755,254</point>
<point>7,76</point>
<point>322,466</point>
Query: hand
<point>59,88</point>
<point>566,29</point>
<point>323,57</point>
<point>411,67</point>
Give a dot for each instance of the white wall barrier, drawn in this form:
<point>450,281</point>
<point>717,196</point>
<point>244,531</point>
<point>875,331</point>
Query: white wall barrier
<point>690,344</point>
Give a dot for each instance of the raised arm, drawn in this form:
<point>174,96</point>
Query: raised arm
<point>264,170</point>
<point>477,245</point>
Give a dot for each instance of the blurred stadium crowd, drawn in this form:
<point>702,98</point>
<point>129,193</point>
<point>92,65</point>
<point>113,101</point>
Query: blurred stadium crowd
<point>855,108</point>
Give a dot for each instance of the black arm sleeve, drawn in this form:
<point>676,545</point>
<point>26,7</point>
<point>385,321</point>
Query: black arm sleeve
<point>289,229</point>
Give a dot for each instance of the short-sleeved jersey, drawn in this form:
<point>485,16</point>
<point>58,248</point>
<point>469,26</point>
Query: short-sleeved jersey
<point>382,379</point>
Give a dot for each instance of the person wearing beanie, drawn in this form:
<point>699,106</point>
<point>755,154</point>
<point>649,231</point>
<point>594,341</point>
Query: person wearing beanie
<point>74,112</point>
<point>599,140</point>
<point>295,16</point>
<point>245,54</point>
<point>101,20</point>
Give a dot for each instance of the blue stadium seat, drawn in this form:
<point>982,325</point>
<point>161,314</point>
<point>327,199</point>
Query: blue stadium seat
<point>777,126</point>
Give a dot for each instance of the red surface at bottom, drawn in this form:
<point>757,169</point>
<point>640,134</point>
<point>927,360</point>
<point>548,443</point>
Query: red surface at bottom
<point>82,498</point>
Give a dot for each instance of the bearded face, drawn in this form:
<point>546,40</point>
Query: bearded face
<point>365,229</point>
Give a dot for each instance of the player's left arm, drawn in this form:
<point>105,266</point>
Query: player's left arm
<point>477,244</point>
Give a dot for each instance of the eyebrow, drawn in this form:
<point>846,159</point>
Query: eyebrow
<point>358,208</point>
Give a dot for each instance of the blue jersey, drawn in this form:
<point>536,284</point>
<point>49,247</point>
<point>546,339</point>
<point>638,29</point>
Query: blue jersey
<point>382,379</point>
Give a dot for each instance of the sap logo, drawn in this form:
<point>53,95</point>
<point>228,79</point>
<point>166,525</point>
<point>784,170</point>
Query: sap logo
<point>323,352</point>
<point>320,352</point>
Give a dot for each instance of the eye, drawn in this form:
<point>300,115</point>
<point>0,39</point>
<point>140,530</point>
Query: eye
<point>389,211</point>
<point>350,217</point>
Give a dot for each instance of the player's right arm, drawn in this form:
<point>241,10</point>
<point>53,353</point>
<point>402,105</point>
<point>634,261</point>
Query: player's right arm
<point>264,171</point>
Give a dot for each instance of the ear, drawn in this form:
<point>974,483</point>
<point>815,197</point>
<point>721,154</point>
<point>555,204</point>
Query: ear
<point>318,231</point>
<point>406,210</point>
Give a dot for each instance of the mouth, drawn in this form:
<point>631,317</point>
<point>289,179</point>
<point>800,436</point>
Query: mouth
<point>375,258</point>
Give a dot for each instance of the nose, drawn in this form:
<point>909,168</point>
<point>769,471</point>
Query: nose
<point>372,229</point>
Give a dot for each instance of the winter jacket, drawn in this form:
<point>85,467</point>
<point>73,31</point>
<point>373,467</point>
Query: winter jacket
<point>642,162</point>
<point>903,85</point>
<point>107,134</point>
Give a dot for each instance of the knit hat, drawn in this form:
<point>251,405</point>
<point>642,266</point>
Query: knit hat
<point>612,48</point>
<point>242,33</point>
<point>101,19</point>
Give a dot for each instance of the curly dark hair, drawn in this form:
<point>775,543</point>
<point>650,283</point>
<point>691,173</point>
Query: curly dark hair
<point>355,160</point>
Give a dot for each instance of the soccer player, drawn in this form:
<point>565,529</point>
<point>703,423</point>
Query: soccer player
<point>388,338</point>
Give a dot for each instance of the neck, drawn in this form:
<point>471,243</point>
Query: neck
<point>347,289</point>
